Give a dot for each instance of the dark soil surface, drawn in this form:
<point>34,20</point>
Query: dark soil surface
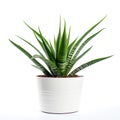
<point>60,77</point>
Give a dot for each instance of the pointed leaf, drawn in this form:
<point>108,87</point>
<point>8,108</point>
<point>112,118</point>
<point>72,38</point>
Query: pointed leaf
<point>58,39</point>
<point>43,69</point>
<point>81,38</point>
<point>87,64</point>
<point>63,49</point>
<point>51,65</point>
<point>30,45</point>
<point>74,60</point>
<point>86,41</point>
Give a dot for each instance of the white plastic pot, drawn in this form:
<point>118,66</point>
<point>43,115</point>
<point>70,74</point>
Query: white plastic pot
<point>60,95</point>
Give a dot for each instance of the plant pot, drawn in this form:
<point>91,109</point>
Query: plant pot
<point>60,95</point>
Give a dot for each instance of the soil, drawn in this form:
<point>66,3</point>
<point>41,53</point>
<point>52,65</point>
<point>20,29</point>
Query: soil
<point>59,77</point>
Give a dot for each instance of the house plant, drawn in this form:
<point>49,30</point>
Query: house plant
<point>60,86</point>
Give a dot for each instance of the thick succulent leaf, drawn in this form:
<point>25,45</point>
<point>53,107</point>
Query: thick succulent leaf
<point>36,34</point>
<point>42,37</point>
<point>87,64</point>
<point>71,45</point>
<point>58,40</point>
<point>52,50</point>
<point>69,35</point>
<point>71,50</point>
<point>44,60</point>
<point>43,69</point>
<point>48,47</point>
<point>94,26</point>
<point>50,64</point>
<point>63,49</point>
<point>33,30</point>
<point>39,68</point>
<point>81,38</point>
<point>74,60</point>
<point>55,43</point>
<point>42,46</point>
<point>30,45</point>
<point>42,41</point>
<point>83,54</point>
<point>85,42</point>
<point>61,58</point>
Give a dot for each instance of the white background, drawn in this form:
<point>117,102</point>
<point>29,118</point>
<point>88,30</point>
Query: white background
<point>18,88</point>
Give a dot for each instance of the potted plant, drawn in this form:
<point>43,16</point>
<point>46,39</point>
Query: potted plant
<point>60,86</point>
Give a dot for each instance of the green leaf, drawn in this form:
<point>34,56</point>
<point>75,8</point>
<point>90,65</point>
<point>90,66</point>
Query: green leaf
<point>94,26</point>
<point>43,69</point>
<point>70,47</point>
<point>51,65</point>
<point>60,58</point>
<point>69,35</point>
<point>87,64</point>
<point>81,38</point>
<point>55,44</point>
<point>30,45</point>
<point>63,49</point>
<point>83,54</point>
<point>42,46</point>
<point>33,30</point>
<point>42,41</point>
<point>74,60</point>
<point>58,39</point>
<point>47,47</point>
<point>52,51</point>
<point>86,41</point>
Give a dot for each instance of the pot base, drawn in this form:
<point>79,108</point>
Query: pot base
<point>59,113</point>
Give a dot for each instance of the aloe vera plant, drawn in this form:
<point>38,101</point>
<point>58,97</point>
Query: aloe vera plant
<point>62,56</point>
